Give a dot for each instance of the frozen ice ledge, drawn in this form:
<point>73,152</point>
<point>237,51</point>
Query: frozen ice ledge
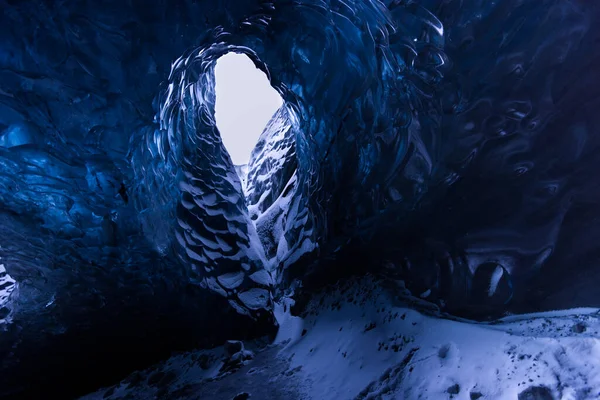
<point>449,144</point>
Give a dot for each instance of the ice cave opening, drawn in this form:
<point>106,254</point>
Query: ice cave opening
<point>245,102</point>
<point>419,218</point>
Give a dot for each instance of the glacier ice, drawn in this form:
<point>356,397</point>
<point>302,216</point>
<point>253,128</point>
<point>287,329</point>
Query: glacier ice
<point>7,286</point>
<point>449,144</point>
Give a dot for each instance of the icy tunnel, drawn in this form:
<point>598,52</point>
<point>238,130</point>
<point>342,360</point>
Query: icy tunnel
<point>446,149</point>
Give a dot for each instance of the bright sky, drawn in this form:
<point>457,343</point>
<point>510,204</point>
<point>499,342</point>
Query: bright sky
<point>245,103</point>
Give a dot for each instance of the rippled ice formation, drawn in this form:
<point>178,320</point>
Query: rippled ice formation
<point>450,144</point>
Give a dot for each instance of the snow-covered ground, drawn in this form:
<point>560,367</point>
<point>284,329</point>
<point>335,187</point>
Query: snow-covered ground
<point>368,339</point>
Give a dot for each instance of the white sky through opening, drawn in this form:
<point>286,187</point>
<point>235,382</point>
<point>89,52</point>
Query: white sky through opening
<point>245,103</point>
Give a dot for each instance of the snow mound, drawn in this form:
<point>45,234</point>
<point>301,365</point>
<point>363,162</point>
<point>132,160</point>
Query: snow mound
<point>367,339</point>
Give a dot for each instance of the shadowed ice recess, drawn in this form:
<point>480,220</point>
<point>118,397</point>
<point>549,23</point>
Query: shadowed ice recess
<point>450,145</point>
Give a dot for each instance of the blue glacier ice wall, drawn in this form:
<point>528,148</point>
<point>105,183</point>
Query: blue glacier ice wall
<point>451,144</point>
<point>193,179</point>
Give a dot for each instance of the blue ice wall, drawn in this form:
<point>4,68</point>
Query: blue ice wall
<point>450,144</point>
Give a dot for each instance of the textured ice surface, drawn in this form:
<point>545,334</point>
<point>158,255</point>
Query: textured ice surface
<point>7,286</point>
<point>437,142</point>
<point>275,202</point>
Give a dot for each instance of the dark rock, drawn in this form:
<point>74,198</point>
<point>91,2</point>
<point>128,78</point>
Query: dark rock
<point>454,389</point>
<point>579,328</point>
<point>536,393</point>
<point>443,351</point>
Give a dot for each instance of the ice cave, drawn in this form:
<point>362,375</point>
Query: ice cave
<point>300,199</point>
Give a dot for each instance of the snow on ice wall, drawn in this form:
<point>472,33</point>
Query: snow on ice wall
<point>7,286</point>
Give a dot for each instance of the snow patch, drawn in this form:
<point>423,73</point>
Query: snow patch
<point>7,286</point>
<point>290,327</point>
<point>361,343</point>
<point>361,340</point>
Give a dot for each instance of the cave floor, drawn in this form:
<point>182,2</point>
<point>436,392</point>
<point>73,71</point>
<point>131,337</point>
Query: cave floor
<point>361,340</point>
